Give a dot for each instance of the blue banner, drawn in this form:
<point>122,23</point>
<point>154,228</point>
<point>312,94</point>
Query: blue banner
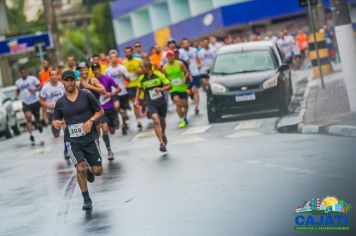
<point>24,43</point>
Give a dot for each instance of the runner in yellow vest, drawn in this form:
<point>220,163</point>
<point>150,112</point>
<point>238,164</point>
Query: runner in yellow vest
<point>134,67</point>
<point>176,73</point>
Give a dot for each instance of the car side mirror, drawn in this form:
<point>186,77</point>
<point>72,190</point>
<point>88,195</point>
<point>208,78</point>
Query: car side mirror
<point>6,100</point>
<point>288,60</point>
<point>283,67</point>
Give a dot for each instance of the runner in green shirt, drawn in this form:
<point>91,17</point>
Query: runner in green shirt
<point>177,73</point>
<point>153,84</point>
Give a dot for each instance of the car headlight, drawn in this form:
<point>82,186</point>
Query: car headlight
<point>217,88</point>
<point>270,83</point>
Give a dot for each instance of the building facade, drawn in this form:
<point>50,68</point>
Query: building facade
<point>153,21</point>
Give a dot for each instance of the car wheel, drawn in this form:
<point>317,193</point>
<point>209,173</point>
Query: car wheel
<point>213,115</point>
<point>283,100</point>
<point>16,129</point>
<point>7,133</point>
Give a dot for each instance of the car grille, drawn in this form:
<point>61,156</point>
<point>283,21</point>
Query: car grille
<point>239,88</point>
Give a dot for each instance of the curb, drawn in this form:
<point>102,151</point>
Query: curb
<point>340,130</point>
<point>303,108</point>
<point>343,130</point>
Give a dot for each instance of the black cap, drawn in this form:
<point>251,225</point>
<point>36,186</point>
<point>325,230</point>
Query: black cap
<point>95,66</point>
<point>68,74</point>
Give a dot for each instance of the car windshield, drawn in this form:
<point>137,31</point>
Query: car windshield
<point>244,62</point>
<point>10,94</point>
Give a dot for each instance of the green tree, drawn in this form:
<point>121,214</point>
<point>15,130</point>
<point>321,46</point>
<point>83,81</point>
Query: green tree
<point>18,23</point>
<point>103,32</point>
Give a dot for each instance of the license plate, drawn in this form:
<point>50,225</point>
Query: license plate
<point>245,97</point>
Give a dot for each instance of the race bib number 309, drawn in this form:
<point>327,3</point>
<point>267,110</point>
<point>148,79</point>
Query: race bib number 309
<point>76,130</point>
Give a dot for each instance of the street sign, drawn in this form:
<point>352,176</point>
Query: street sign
<point>304,3</point>
<point>41,50</point>
<point>24,43</point>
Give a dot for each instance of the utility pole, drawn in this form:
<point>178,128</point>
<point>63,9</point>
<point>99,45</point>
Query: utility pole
<point>52,27</point>
<point>347,46</point>
<point>313,30</point>
<point>87,37</point>
<point>320,15</point>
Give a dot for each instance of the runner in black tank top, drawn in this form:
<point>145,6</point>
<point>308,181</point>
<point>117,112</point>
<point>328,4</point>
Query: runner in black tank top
<point>96,94</point>
<point>91,84</point>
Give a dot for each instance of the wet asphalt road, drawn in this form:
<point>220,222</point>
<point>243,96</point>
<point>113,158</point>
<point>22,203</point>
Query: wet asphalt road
<point>232,178</point>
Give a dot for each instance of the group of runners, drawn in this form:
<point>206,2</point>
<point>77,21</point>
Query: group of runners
<point>93,98</point>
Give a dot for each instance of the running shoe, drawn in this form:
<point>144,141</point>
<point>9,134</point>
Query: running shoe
<point>139,126</point>
<point>124,131</point>
<point>165,140</point>
<point>32,139</point>
<point>66,155</point>
<point>196,111</point>
<point>38,125</point>
<point>88,205</point>
<point>90,176</point>
<point>162,147</point>
<point>110,156</point>
<point>182,124</point>
<point>186,121</point>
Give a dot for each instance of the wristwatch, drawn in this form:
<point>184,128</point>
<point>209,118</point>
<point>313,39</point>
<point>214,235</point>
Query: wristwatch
<point>92,120</point>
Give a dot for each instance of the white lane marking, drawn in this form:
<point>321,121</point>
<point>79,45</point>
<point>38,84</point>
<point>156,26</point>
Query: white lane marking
<point>243,134</point>
<point>285,168</point>
<point>190,139</point>
<point>147,134</point>
<point>197,130</point>
<point>249,124</point>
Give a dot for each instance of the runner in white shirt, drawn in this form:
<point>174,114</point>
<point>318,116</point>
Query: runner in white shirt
<point>27,91</point>
<point>120,74</point>
<point>214,44</point>
<point>172,45</point>
<point>206,56</point>
<point>287,44</point>
<point>49,95</point>
<point>194,64</point>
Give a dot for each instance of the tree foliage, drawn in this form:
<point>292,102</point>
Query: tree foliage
<point>100,30</point>
<point>18,23</point>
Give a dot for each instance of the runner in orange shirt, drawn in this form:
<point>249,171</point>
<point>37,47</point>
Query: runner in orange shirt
<point>45,72</point>
<point>156,57</point>
<point>43,77</point>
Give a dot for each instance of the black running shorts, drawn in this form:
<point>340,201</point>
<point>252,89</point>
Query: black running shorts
<point>34,108</point>
<point>89,152</point>
<point>109,117</point>
<point>160,109</point>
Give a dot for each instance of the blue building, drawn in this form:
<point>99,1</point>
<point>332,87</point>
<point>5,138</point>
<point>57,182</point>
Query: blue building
<point>153,21</point>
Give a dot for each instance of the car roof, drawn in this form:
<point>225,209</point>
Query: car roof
<point>9,88</point>
<point>246,47</point>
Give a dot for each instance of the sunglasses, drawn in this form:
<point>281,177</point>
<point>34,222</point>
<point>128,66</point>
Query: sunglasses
<point>138,46</point>
<point>69,79</point>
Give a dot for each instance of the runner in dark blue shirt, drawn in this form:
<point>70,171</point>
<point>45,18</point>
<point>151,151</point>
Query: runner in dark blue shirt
<point>78,110</point>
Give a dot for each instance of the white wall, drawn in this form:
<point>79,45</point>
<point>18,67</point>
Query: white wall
<point>179,10</point>
<point>141,22</point>
<point>198,7</point>
<point>159,15</point>
<point>123,29</point>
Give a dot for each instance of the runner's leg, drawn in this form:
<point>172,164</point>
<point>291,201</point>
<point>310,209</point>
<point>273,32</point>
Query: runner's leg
<point>81,177</point>
<point>177,102</point>
<point>157,127</point>
<point>184,107</point>
<point>196,98</point>
<point>35,108</point>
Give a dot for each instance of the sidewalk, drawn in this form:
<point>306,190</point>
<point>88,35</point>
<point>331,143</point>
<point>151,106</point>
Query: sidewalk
<point>327,110</point>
